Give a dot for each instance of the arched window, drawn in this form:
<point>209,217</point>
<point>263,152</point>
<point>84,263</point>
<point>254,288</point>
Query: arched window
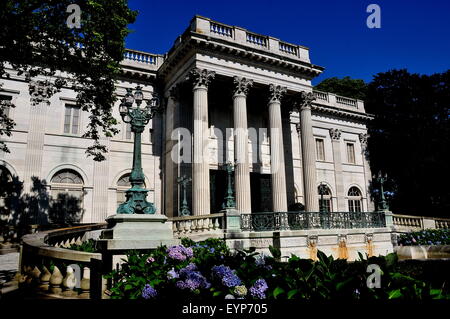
<point>67,195</point>
<point>123,184</point>
<point>354,199</point>
<point>324,197</point>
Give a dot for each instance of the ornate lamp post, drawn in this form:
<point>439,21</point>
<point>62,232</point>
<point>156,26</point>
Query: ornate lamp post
<point>383,206</point>
<point>132,112</point>
<point>229,199</point>
<point>183,181</point>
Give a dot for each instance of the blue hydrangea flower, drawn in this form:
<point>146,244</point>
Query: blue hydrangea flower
<point>227,276</point>
<point>172,274</point>
<point>192,279</point>
<point>258,289</point>
<point>149,292</point>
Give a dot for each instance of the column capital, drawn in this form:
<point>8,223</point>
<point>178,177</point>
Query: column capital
<point>304,100</point>
<point>41,91</point>
<point>276,93</point>
<point>363,140</point>
<point>335,134</point>
<point>200,78</point>
<point>241,85</point>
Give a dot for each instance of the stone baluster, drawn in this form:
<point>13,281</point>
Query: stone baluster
<point>242,172</point>
<point>55,281</point>
<point>85,283</point>
<point>279,197</point>
<point>34,275</point>
<point>44,279</point>
<point>69,283</point>
<point>200,181</point>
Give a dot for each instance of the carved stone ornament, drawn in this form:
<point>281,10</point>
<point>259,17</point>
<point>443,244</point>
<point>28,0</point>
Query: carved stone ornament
<point>276,92</point>
<point>242,85</point>
<point>335,133</point>
<point>312,240</point>
<point>200,78</point>
<point>306,99</point>
<point>41,91</point>
<point>363,140</point>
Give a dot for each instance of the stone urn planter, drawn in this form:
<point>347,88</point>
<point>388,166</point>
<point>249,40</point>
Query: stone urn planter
<point>423,251</point>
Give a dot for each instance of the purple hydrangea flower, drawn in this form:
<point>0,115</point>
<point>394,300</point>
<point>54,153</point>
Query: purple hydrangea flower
<point>150,260</point>
<point>172,274</point>
<point>180,252</point>
<point>192,279</point>
<point>258,289</point>
<point>226,275</point>
<point>149,292</point>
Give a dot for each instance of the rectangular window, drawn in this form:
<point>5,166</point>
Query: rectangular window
<point>72,119</point>
<point>320,149</point>
<point>351,153</point>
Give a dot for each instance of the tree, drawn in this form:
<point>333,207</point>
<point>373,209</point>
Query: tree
<point>346,86</point>
<point>410,140</point>
<point>42,38</point>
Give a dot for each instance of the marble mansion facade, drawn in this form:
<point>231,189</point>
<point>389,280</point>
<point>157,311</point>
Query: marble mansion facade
<point>229,95</point>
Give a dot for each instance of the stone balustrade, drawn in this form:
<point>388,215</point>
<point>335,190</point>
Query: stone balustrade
<point>47,268</point>
<point>142,60</point>
<point>415,223</point>
<point>188,226</point>
<point>333,100</point>
<point>243,37</point>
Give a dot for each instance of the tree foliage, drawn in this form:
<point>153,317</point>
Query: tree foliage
<point>409,136</point>
<point>346,86</point>
<point>410,140</point>
<point>36,40</point>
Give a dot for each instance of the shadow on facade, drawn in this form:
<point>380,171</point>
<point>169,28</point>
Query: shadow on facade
<point>22,212</point>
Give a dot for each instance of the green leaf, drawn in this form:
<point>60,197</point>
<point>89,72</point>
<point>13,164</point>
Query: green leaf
<point>394,294</point>
<point>128,287</point>
<point>276,252</point>
<point>292,293</point>
<point>277,292</point>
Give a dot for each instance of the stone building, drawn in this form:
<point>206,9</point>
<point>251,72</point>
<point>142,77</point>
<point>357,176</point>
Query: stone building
<point>229,95</point>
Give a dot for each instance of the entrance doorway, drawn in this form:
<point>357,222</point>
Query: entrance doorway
<point>218,188</point>
<point>261,189</point>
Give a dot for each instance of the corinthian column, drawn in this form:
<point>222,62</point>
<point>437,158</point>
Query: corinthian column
<point>279,197</point>
<point>308,153</point>
<point>242,174</point>
<point>40,92</point>
<point>200,167</point>
<point>335,135</point>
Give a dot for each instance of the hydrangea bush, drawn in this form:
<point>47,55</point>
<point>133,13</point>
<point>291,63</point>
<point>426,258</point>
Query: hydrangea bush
<point>426,237</point>
<point>209,270</point>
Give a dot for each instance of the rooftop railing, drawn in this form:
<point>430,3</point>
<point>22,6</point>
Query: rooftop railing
<point>244,37</point>
<point>331,99</point>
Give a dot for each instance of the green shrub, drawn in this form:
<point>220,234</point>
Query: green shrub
<point>86,246</point>
<point>208,270</point>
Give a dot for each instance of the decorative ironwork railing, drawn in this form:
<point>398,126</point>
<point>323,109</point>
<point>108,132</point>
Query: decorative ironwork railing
<point>311,220</point>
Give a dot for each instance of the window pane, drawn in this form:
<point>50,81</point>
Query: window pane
<point>350,153</point>
<point>75,120</point>
<point>320,151</point>
<point>67,119</point>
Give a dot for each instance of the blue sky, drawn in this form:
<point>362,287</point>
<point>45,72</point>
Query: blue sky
<point>414,34</point>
